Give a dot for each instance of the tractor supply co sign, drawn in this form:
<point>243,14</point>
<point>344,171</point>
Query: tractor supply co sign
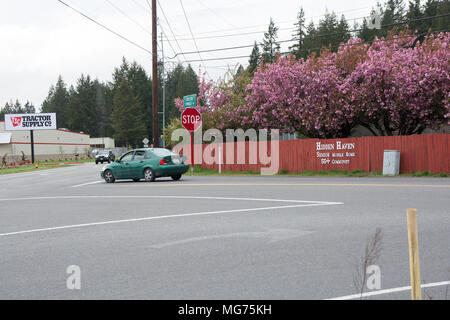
<point>30,121</point>
<point>336,153</point>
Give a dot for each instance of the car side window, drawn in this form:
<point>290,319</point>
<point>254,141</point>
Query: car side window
<point>139,155</point>
<point>127,157</point>
<point>147,156</point>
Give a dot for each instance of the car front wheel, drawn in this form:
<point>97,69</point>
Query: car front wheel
<point>149,175</point>
<point>109,176</point>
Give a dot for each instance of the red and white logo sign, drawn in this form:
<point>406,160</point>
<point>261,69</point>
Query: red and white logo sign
<point>16,121</point>
<point>30,121</point>
<point>191,119</point>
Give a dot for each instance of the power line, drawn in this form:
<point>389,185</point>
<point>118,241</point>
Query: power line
<point>170,29</point>
<point>216,14</point>
<point>193,38</point>
<point>162,29</point>
<point>281,22</point>
<point>128,17</point>
<point>283,29</point>
<point>330,47</point>
<point>105,27</point>
<point>312,37</point>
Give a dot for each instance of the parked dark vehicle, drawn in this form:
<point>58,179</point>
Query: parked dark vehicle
<point>103,156</point>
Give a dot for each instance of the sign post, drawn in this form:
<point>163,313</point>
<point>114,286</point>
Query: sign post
<point>145,142</point>
<point>191,120</point>
<point>31,122</point>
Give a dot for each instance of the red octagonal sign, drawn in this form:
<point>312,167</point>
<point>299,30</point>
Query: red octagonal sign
<point>191,119</point>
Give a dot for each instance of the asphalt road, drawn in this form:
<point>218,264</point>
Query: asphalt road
<point>215,237</point>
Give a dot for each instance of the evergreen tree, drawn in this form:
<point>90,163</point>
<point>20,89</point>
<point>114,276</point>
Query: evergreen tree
<point>343,30</point>
<point>434,8</point>
<point>311,42</point>
<point>414,13</point>
<point>83,114</point>
<point>299,35</point>
<point>255,59</point>
<point>394,14</point>
<point>29,108</point>
<point>57,101</point>
<point>270,45</point>
<point>140,84</point>
<point>127,119</point>
<point>327,31</point>
<point>179,82</point>
<point>100,105</point>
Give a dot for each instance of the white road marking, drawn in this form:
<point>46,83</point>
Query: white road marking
<point>302,204</point>
<point>388,291</point>
<point>274,236</point>
<point>172,197</point>
<point>86,184</point>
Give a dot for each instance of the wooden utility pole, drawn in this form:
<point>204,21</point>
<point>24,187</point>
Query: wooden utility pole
<point>155,76</point>
<point>413,240</point>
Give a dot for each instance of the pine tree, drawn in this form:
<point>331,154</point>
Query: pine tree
<point>126,119</point>
<point>434,8</point>
<point>270,45</point>
<point>29,108</point>
<point>255,59</point>
<point>343,30</point>
<point>327,30</point>
<point>83,115</point>
<point>311,42</point>
<point>57,101</point>
<point>299,35</point>
<point>393,15</point>
<point>369,34</point>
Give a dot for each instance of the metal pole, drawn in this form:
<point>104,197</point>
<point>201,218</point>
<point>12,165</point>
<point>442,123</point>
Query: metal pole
<point>32,145</point>
<point>155,76</point>
<point>220,160</point>
<point>192,152</point>
<point>163,85</point>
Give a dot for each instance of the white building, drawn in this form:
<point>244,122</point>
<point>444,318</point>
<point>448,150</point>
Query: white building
<point>102,143</point>
<point>48,144</point>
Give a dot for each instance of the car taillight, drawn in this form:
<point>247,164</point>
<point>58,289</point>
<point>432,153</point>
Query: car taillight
<point>163,161</point>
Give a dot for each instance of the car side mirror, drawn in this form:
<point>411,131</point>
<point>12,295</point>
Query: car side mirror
<point>118,160</point>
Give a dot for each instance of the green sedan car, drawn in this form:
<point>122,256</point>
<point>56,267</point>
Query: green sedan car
<point>147,164</point>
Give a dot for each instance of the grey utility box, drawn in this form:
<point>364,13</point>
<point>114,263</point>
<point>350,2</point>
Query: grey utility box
<point>391,163</point>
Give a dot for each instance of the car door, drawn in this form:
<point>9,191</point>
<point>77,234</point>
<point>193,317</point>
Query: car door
<point>136,165</point>
<point>124,169</point>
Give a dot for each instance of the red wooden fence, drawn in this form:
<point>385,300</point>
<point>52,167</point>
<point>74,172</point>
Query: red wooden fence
<point>428,152</point>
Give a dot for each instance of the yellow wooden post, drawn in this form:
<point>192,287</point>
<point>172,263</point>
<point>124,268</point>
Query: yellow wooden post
<point>414,266</point>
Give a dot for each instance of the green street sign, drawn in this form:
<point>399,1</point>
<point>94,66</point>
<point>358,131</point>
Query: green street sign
<point>190,101</point>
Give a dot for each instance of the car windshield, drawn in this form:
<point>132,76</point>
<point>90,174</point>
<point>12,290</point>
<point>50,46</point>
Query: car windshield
<point>162,152</point>
<point>104,153</point>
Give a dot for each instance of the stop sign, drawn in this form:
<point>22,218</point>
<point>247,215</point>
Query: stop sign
<point>191,119</point>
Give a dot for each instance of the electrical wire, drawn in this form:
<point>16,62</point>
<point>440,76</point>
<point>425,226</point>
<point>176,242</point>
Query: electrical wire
<point>193,38</point>
<point>105,27</point>
<point>329,47</point>
<point>311,37</point>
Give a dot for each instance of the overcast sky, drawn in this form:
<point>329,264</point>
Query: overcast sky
<point>43,39</point>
